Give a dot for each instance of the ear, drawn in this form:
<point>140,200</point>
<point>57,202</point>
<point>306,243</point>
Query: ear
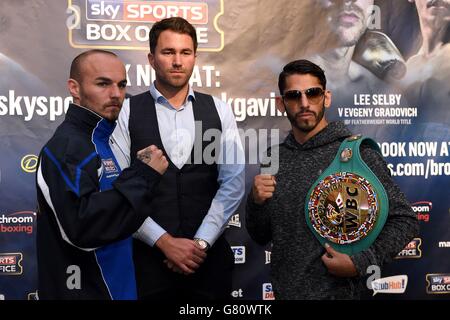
<point>327,101</point>
<point>279,103</point>
<point>74,89</point>
<point>151,59</point>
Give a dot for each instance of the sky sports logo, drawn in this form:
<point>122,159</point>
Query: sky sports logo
<point>121,24</point>
<point>10,263</point>
<point>438,283</point>
<point>146,11</point>
<point>239,254</point>
<point>412,250</point>
<point>17,222</point>
<point>422,209</point>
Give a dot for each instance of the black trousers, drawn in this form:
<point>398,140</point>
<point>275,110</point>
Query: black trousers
<point>212,281</point>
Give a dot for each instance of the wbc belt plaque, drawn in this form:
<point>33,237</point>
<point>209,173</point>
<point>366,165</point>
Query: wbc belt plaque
<point>347,206</point>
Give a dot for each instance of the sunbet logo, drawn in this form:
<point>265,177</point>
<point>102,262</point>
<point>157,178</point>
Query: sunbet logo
<point>267,292</point>
<point>239,254</point>
<point>438,283</point>
<point>412,250</point>
<point>18,222</point>
<point>10,263</point>
<point>239,293</point>
<point>423,209</point>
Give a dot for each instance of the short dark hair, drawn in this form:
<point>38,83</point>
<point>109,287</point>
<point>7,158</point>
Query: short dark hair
<point>301,67</point>
<point>175,24</point>
<point>75,67</point>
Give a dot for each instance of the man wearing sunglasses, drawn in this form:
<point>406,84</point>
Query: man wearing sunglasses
<point>301,268</point>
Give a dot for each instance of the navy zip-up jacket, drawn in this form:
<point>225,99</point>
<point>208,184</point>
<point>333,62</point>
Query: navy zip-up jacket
<point>88,210</point>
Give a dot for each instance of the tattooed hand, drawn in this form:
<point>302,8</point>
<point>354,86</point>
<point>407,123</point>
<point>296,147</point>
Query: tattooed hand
<point>153,157</point>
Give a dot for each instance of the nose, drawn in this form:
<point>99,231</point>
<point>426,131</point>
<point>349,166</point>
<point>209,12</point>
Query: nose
<point>176,62</point>
<point>304,103</point>
<point>116,91</point>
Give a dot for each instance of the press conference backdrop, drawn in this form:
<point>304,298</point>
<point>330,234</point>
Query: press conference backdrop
<point>390,92</point>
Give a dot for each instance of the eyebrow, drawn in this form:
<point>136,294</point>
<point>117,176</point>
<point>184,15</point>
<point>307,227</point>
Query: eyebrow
<point>103,79</point>
<point>174,49</point>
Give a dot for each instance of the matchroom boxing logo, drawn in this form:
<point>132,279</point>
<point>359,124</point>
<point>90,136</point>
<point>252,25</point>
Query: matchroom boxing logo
<point>123,24</point>
<point>17,222</point>
<point>423,209</point>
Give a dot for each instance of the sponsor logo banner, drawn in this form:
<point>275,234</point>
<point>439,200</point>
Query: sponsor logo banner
<point>125,24</point>
<point>234,221</point>
<point>10,263</point>
<point>423,209</point>
<point>29,163</point>
<point>239,254</point>
<point>267,292</point>
<point>412,250</point>
<point>394,284</point>
<point>268,256</point>
<point>438,283</point>
<point>444,244</point>
<point>17,222</point>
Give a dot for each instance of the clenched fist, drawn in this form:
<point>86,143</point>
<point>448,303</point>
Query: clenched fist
<point>153,157</point>
<point>263,188</point>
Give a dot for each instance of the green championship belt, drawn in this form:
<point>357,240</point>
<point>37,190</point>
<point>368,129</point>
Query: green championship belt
<point>347,206</point>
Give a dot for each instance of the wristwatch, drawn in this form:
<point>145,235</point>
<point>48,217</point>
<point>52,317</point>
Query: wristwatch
<point>203,244</point>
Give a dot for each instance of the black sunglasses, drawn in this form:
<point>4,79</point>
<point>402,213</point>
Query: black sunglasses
<point>314,95</point>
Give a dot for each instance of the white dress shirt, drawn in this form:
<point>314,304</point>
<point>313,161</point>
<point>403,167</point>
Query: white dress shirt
<point>177,131</point>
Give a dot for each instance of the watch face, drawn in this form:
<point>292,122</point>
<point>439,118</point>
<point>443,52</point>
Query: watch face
<point>202,243</point>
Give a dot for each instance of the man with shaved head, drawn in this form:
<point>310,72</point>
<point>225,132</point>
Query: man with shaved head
<point>88,206</point>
